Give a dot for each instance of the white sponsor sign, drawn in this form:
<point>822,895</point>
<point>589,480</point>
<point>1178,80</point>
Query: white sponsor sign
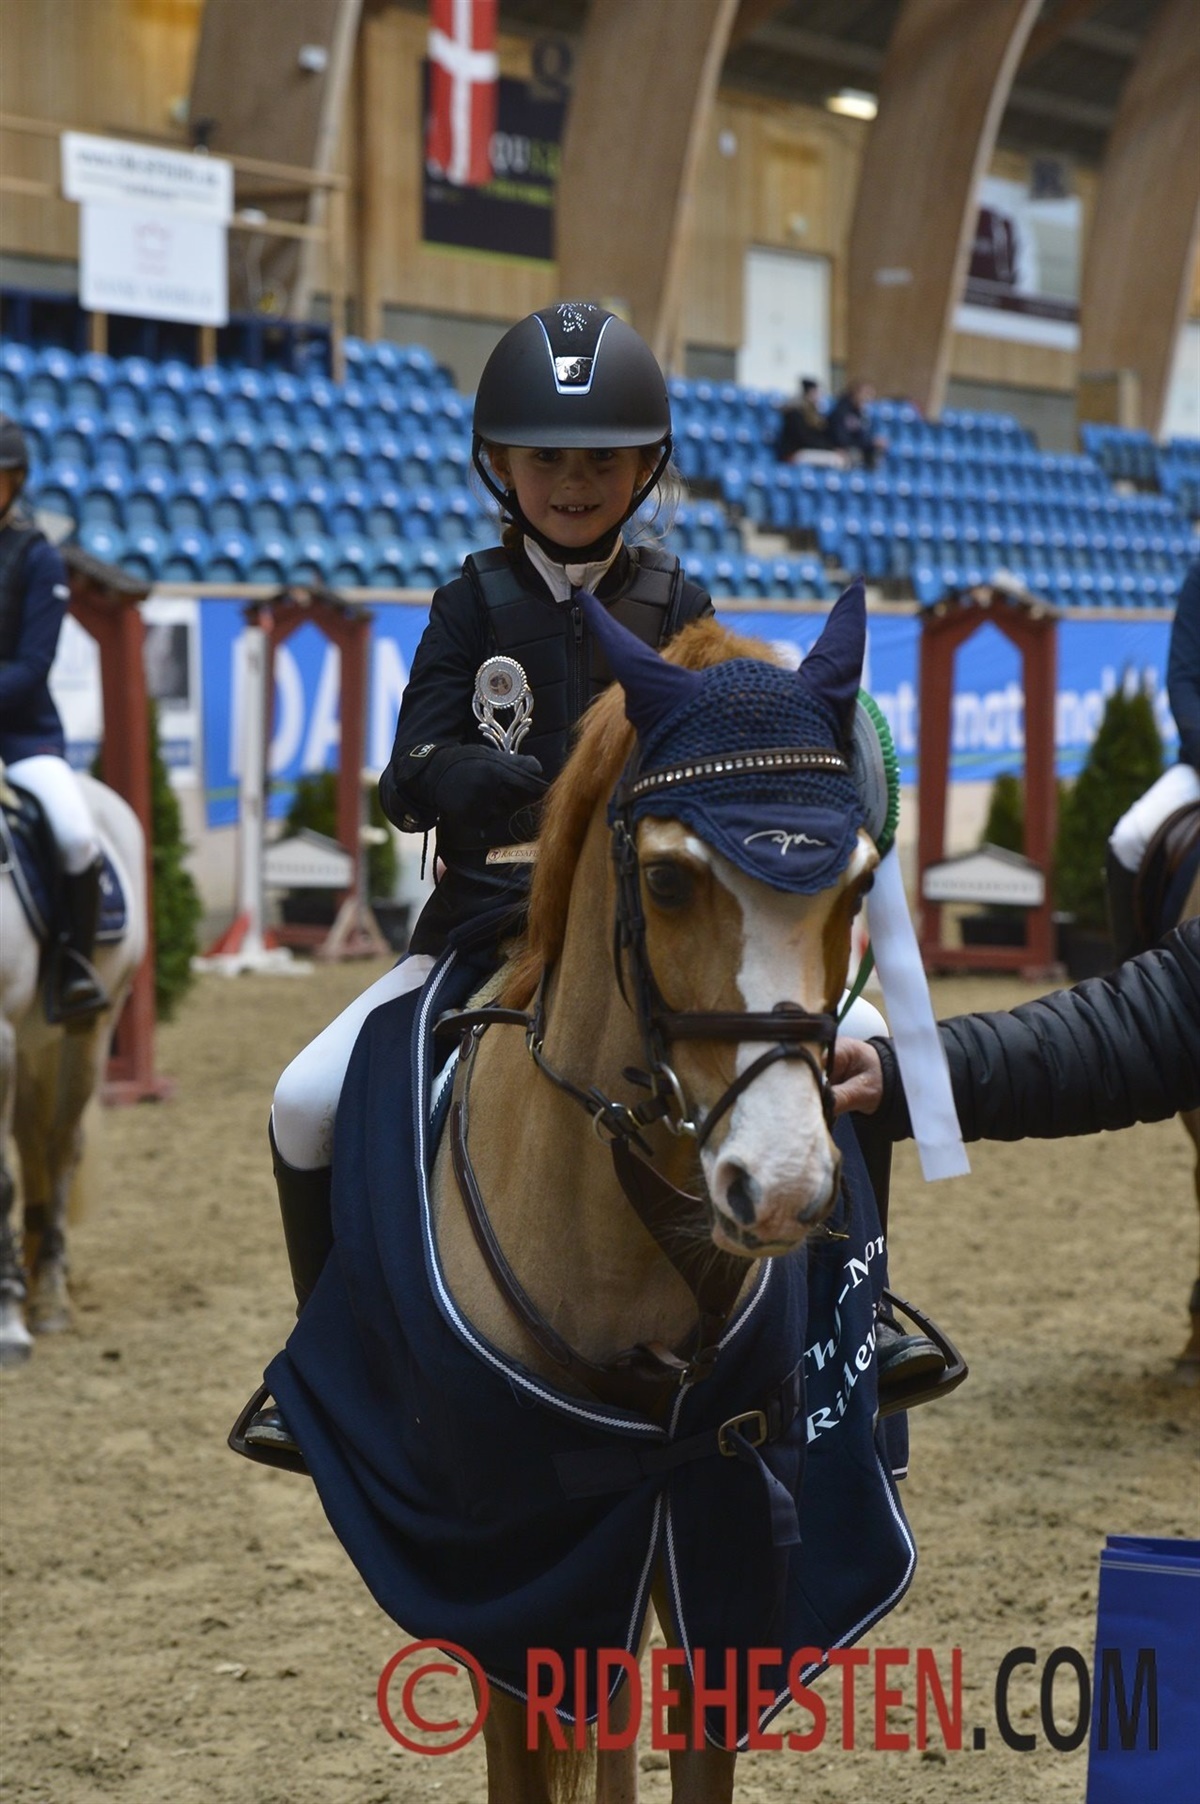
<point>154,265</point>
<point>1023,281</point>
<point>145,176</point>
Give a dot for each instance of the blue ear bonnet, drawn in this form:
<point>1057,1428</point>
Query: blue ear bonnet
<point>718,750</point>
<point>793,829</point>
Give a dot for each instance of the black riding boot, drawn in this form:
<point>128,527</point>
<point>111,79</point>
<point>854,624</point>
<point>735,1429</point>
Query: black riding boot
<point>1122,914</point>
<point>81,993</point>
<point>305,1205</point>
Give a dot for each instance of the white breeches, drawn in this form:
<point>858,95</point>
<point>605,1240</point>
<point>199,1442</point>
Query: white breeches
<point>306,1096</point>
<point>56,787</point>
<point>1136,828</point>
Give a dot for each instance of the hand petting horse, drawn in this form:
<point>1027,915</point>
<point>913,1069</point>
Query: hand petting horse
<point>50,1070</point>
<point>600,1318</point>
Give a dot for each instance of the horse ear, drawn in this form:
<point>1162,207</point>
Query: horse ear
<point>653,687</point>
<point>832,670</point>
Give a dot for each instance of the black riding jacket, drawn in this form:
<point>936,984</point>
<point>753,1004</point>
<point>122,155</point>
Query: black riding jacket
<point>1111,1051</point>
<point>500,604</point>
<point>33,600</point>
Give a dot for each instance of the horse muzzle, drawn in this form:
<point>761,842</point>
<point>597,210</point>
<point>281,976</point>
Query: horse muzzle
<point>756,1218</point>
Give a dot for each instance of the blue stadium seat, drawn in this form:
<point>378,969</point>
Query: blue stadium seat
<point>189,505</point>
<point>347,511</point>
<point>187,557</point>
<point>228,511</point>
<point>16,359</point>
<point>272,558</point>
<point>269,506</point>
<point>389,564</point>
<point>60,488</point>
<point>102,500</point>
<point>101,541</point>
<point>231,558</point>
<point>312,557</point>
<point>78,436</point>
<point>156,447</point>
<point>145,552</point>
<point>146,502</point>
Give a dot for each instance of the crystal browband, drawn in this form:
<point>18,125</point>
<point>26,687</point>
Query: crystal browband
<point>733,764</point>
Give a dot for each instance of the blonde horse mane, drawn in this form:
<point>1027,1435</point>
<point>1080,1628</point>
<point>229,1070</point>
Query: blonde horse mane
<point>588,778</point>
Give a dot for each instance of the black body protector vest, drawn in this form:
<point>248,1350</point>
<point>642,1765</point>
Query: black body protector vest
<point>564,672</point>
<point>16,542</point>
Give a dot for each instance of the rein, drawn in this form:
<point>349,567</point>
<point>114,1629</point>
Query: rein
<point>644,1376</point>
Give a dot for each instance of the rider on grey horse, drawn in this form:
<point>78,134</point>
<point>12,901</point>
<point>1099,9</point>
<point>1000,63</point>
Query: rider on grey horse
<point>33,602</point>
<point>1178,787</point>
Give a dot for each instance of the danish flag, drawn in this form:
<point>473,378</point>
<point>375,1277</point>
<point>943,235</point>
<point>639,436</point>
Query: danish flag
<point>463,71</point>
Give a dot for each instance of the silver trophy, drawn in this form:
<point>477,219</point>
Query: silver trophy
<point>501,683</point>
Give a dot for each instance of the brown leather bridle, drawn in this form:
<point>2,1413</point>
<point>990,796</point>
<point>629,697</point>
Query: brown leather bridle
<point>643,1377</point>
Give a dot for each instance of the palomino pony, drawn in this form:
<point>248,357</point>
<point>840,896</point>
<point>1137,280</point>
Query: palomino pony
<point>581,1368</point>
<point>48,1075</point>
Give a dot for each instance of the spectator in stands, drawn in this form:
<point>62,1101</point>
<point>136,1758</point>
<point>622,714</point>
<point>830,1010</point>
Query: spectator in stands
<point>802,423</point>
<point>33,602</point>
<point>1177,787</point>
<point>849,429</point>
<point>572,435</point>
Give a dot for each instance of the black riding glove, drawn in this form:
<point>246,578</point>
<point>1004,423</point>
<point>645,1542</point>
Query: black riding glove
<point>479,793</point>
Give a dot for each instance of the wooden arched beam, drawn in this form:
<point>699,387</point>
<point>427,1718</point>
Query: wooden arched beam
<point>643,95</point>
<point>1142,247</point>
<point>949,68</point>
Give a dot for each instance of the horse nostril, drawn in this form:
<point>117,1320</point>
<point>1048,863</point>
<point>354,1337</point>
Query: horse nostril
<point>742,1196</point>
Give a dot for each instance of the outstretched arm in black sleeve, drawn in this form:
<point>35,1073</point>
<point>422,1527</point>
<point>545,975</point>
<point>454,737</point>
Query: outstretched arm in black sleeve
<point>1111,1051</point>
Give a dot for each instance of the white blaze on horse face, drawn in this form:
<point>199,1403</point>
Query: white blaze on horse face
<point>775,1172</point>
<point>771,1168</point>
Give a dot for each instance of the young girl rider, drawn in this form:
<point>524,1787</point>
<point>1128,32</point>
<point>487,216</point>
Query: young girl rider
<point>33,601</point>
<point>572,433</point>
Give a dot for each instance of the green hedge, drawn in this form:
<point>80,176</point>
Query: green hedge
<point>177,907</point>
<point>314,805</point>
<point>1124,760</point>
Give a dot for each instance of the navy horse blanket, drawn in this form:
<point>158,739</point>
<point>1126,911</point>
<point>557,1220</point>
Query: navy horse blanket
<point>482,1506</point>
<point>27,850</point>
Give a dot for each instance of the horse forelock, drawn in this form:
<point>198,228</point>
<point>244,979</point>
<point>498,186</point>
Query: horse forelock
<point>587,780</point>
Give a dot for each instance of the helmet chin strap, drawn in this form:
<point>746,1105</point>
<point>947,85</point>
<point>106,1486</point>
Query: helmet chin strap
<point>599,548</point>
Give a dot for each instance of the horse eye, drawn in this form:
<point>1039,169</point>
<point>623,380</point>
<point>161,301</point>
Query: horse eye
<point>670,884</point>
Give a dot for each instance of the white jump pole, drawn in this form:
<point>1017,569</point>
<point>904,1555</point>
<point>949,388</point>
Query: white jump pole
<point>243,947</point>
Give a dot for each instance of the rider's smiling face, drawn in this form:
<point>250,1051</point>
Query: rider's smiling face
<point>571,496</point>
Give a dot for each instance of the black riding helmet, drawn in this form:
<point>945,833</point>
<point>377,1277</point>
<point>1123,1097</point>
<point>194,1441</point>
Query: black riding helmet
<point>572,376</point>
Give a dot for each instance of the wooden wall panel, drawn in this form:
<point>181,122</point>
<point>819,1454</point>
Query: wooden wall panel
<point>786,179</point>
<point>99,65</point>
